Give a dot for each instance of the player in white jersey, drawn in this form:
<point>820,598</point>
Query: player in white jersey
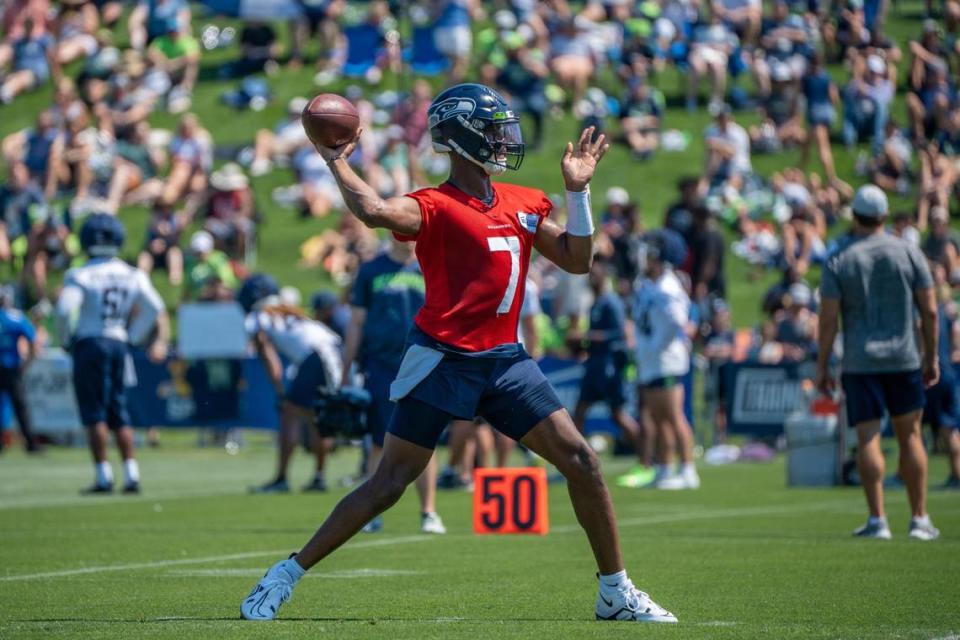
<point>662,312</point>
<point>314,354</point>
<point>105,306</point>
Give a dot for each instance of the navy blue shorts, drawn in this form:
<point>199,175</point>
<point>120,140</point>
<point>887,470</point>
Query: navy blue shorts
<point>666,382</point>
<point>942,409</point>
<point>512,394</point>
<point>377,379</point>
<point>98,366</point>
<point>311,375</point>
<point>603,381</point>
<point>871,395</point>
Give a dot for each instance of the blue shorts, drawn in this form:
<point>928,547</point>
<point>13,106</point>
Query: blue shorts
<point>871,395</point>
<point>942,410</point>
<point>311,375</point>
<point>98,382</point>
<point>666,382</point>
<point>512,394</point>
<point>603,381</point>
<point>377,379</point>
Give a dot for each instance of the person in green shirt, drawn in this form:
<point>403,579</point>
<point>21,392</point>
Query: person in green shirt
<point>179,55</point>
<point>209,274</point>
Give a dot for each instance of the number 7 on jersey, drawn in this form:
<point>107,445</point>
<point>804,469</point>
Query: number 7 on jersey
<point>511,244</point>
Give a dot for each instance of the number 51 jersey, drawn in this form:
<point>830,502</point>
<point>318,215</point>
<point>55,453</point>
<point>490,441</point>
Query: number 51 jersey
<point>474,259</point>
<point>107,291</point>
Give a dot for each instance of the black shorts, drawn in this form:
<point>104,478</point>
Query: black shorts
<point>871,395</point>
<point>98,381</point>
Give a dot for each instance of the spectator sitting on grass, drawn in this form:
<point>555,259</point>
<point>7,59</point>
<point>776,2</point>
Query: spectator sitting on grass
<point>905,227</point>
<point>18,197</point>
<point>228,210</point>
<point>411,114</point>
<point>191,154</point>
<point>161,248</point>
<point>938,177</point>
<point>151,19</point>
<point>796,325</point>
<point>523,78</point>
<point>47,248</point>
<point>135,171</point>
<point>640,117</point>
<point>890,168</point>
<point>942,244</point>
<point>42,154</point>
<point>571,58</point>
<point>280,144</point>
<point>75,28</point>
<point>209,275</point>
<point>319,188</point>
<point>728,151</point>
<point>259,50</point>
<point>178,54</point>
<point>33,61</point>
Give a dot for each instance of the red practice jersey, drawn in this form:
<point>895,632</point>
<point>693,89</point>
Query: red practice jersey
<point>474,260</point>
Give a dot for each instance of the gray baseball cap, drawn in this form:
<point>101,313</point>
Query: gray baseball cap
<point>870,202</point>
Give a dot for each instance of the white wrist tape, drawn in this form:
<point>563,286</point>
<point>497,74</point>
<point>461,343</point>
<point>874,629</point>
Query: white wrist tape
<point>579,213</point>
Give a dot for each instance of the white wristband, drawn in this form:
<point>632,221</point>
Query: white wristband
<point>579,213</point>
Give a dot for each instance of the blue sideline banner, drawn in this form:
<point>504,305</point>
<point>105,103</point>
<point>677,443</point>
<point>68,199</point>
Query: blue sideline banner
<point>760,396</point>
<point>227,393</point>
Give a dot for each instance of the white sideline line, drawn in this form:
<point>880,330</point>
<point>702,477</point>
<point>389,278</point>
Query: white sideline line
<point>186,561</point>
<point>709,515</point>
<point>628,522</point>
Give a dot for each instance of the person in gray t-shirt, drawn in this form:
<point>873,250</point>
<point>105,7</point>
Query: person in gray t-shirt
<point>878,284</point>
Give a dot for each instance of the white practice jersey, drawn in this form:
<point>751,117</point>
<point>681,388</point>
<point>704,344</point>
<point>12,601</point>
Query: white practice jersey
<point>661,312</point>
<point>107,298</point>
<point>296,338</point>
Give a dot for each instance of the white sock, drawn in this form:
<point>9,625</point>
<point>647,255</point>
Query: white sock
<point>613,581</point>
<point>103,473</point>
<point>923,521</point>
<point>131,470</point>
<point>877,521</point>
<point>688,468</point>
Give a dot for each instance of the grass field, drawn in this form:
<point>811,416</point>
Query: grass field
<point>743,557</point>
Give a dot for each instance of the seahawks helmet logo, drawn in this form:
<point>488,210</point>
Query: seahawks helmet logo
<point>450,108</point>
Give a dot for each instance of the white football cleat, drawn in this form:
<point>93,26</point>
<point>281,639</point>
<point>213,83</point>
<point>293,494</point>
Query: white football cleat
<point>631,604</point>
<point>923,530</point>
<point>876,530</point>
<point>687,479</point>
<point>431,523</point>
<point>274,588</point>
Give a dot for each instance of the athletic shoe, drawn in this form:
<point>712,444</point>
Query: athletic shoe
<point>629,603</point>
<point>681,481</point>
<point>953,482</point>
<point>277,486</point>
<point>319,483</point>
<point>431,523</point>
<point>637,477</point>
<point>878,530</point>
<point>374,526</point>
<point>95,489</point>
<point>131,488</point>
<point>923,530</point>
<point>274,588</point>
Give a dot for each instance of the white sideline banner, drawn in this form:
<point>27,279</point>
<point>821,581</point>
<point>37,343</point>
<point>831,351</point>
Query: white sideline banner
<point>48,388</point>
<point>211,330</point>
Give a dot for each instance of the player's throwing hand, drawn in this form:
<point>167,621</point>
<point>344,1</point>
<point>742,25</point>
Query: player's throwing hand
<point>581,160</point>
<point>329,154</point>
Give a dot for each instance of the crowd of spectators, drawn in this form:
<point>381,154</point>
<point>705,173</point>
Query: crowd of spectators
<point>760,70</point>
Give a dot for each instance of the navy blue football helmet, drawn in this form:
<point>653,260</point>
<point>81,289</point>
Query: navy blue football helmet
<point>102,235</point>
<point>666,245</point>
<point>256,288</point>
<point>476,122</point>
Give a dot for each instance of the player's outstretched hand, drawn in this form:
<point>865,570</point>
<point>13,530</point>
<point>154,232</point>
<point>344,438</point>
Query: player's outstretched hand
<point>329,154</point>
<point>580,160</point>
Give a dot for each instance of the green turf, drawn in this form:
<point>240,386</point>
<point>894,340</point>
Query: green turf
<point>743,557</point>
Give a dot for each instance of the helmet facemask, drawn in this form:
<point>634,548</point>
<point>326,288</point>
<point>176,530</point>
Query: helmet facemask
<point>495,146</point>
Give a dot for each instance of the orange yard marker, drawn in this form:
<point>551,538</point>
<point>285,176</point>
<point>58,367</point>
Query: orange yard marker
<point>510,500</point>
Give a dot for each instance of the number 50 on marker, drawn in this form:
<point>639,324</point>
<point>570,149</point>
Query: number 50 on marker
<point>510,500</point>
